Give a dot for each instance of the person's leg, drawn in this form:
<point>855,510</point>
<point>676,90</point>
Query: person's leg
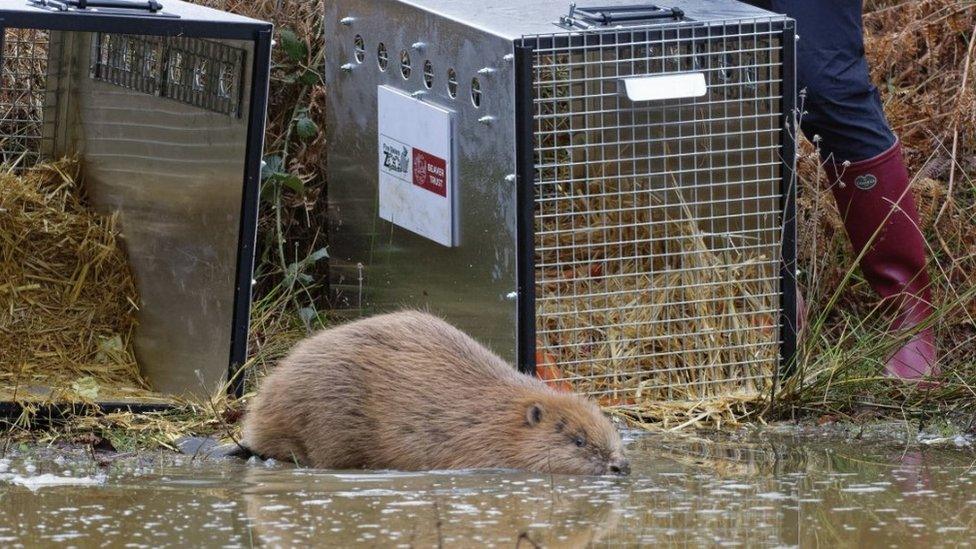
<point>862,156</point>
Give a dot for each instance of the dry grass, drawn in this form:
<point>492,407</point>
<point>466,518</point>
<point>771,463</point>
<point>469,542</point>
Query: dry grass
<point>67,299</point>
<point>658,319</point>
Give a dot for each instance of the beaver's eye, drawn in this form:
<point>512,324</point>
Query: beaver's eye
<point>579,442</point>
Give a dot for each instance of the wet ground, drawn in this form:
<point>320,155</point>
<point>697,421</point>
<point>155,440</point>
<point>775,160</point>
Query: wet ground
<point>774,489</point>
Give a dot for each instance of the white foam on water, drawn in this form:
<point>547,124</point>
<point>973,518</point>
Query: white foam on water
<point>373,477</point>
<point>66,536</point>
<point>35,483</point>
<point>372,493</point>
<point>410,503</point>
<point>319,502</point>
<point>863,489</point>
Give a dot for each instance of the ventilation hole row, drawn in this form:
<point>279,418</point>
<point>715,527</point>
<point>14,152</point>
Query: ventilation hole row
<point>406,70</point>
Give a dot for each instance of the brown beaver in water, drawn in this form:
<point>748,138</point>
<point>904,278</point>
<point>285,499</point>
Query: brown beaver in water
<point>409,391</point>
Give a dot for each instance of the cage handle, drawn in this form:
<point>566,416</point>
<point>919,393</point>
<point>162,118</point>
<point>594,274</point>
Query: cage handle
<point>609,15</point>
<point>152,6</point>
<point>660,87</point>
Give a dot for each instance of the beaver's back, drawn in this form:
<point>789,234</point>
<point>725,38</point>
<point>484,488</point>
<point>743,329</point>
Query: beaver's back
<point>379,389</point>
<point>396,354</point>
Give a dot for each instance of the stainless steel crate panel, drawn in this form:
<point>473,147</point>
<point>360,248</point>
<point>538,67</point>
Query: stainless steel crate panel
<point>173,172</point>
<point>471,283</point>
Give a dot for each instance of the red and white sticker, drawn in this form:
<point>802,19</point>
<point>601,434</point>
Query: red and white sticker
<point>415,164</point>
<point>429,172</point>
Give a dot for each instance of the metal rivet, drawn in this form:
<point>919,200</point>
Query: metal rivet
<point>418,93</point>
<point>510,178</point>
<point>486,120</point>
<point>347,21</point>
<point>348,67</point>
<point>486,71</point>
<point>511,296</point>
<point>418,46</point>
<point>509,57</point>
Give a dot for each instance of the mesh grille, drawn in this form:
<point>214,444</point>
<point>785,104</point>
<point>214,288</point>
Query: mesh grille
<point>22,95</point>
<point>131,62</point>
<point>658,224</point>
<point>202,73</point>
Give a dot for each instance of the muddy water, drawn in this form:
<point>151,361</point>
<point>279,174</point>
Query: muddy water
<point>772,490</point>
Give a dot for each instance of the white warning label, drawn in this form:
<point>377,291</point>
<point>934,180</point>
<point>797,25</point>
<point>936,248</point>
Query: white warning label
<point>416,141</point>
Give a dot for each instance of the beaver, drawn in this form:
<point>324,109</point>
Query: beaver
<point>408,391</point>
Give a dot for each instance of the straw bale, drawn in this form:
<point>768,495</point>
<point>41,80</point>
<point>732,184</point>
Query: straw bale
<point>67,298</point>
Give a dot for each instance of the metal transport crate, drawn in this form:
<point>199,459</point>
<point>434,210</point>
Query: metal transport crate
<point>602,194</point>
<point>163,104</point>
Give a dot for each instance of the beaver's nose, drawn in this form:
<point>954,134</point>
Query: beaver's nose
<point>619,467</point>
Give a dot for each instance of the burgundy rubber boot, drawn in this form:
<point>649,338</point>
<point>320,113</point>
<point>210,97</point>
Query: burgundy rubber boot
<point>874,193</point>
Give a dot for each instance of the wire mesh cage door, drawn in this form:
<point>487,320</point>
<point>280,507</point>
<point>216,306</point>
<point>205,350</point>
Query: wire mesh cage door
<point>661,220</point>
<point>24,96</point>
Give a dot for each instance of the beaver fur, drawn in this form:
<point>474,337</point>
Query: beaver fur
<point>409,391</point>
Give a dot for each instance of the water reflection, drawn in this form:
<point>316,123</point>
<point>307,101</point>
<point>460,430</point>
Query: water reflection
<point>429,510</point>
<point>765,490</point>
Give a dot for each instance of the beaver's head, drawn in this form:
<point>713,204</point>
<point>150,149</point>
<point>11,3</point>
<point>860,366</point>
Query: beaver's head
<point>565,433</point>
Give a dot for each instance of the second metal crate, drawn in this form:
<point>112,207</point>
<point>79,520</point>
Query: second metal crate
<point>603,195</point>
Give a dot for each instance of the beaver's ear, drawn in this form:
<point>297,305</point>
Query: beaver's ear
<point>533,414</point>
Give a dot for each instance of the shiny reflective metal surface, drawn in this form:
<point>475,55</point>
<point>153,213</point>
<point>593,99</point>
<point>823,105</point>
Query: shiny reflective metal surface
<point>173,171</point>
<point>376,265</point>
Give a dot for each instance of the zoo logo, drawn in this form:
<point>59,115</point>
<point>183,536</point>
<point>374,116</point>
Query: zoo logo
<point>866,182</point>
<point>395,160</point>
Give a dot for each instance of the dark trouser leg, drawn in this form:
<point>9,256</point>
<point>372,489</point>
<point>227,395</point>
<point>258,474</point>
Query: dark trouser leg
<point>844,116</point>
